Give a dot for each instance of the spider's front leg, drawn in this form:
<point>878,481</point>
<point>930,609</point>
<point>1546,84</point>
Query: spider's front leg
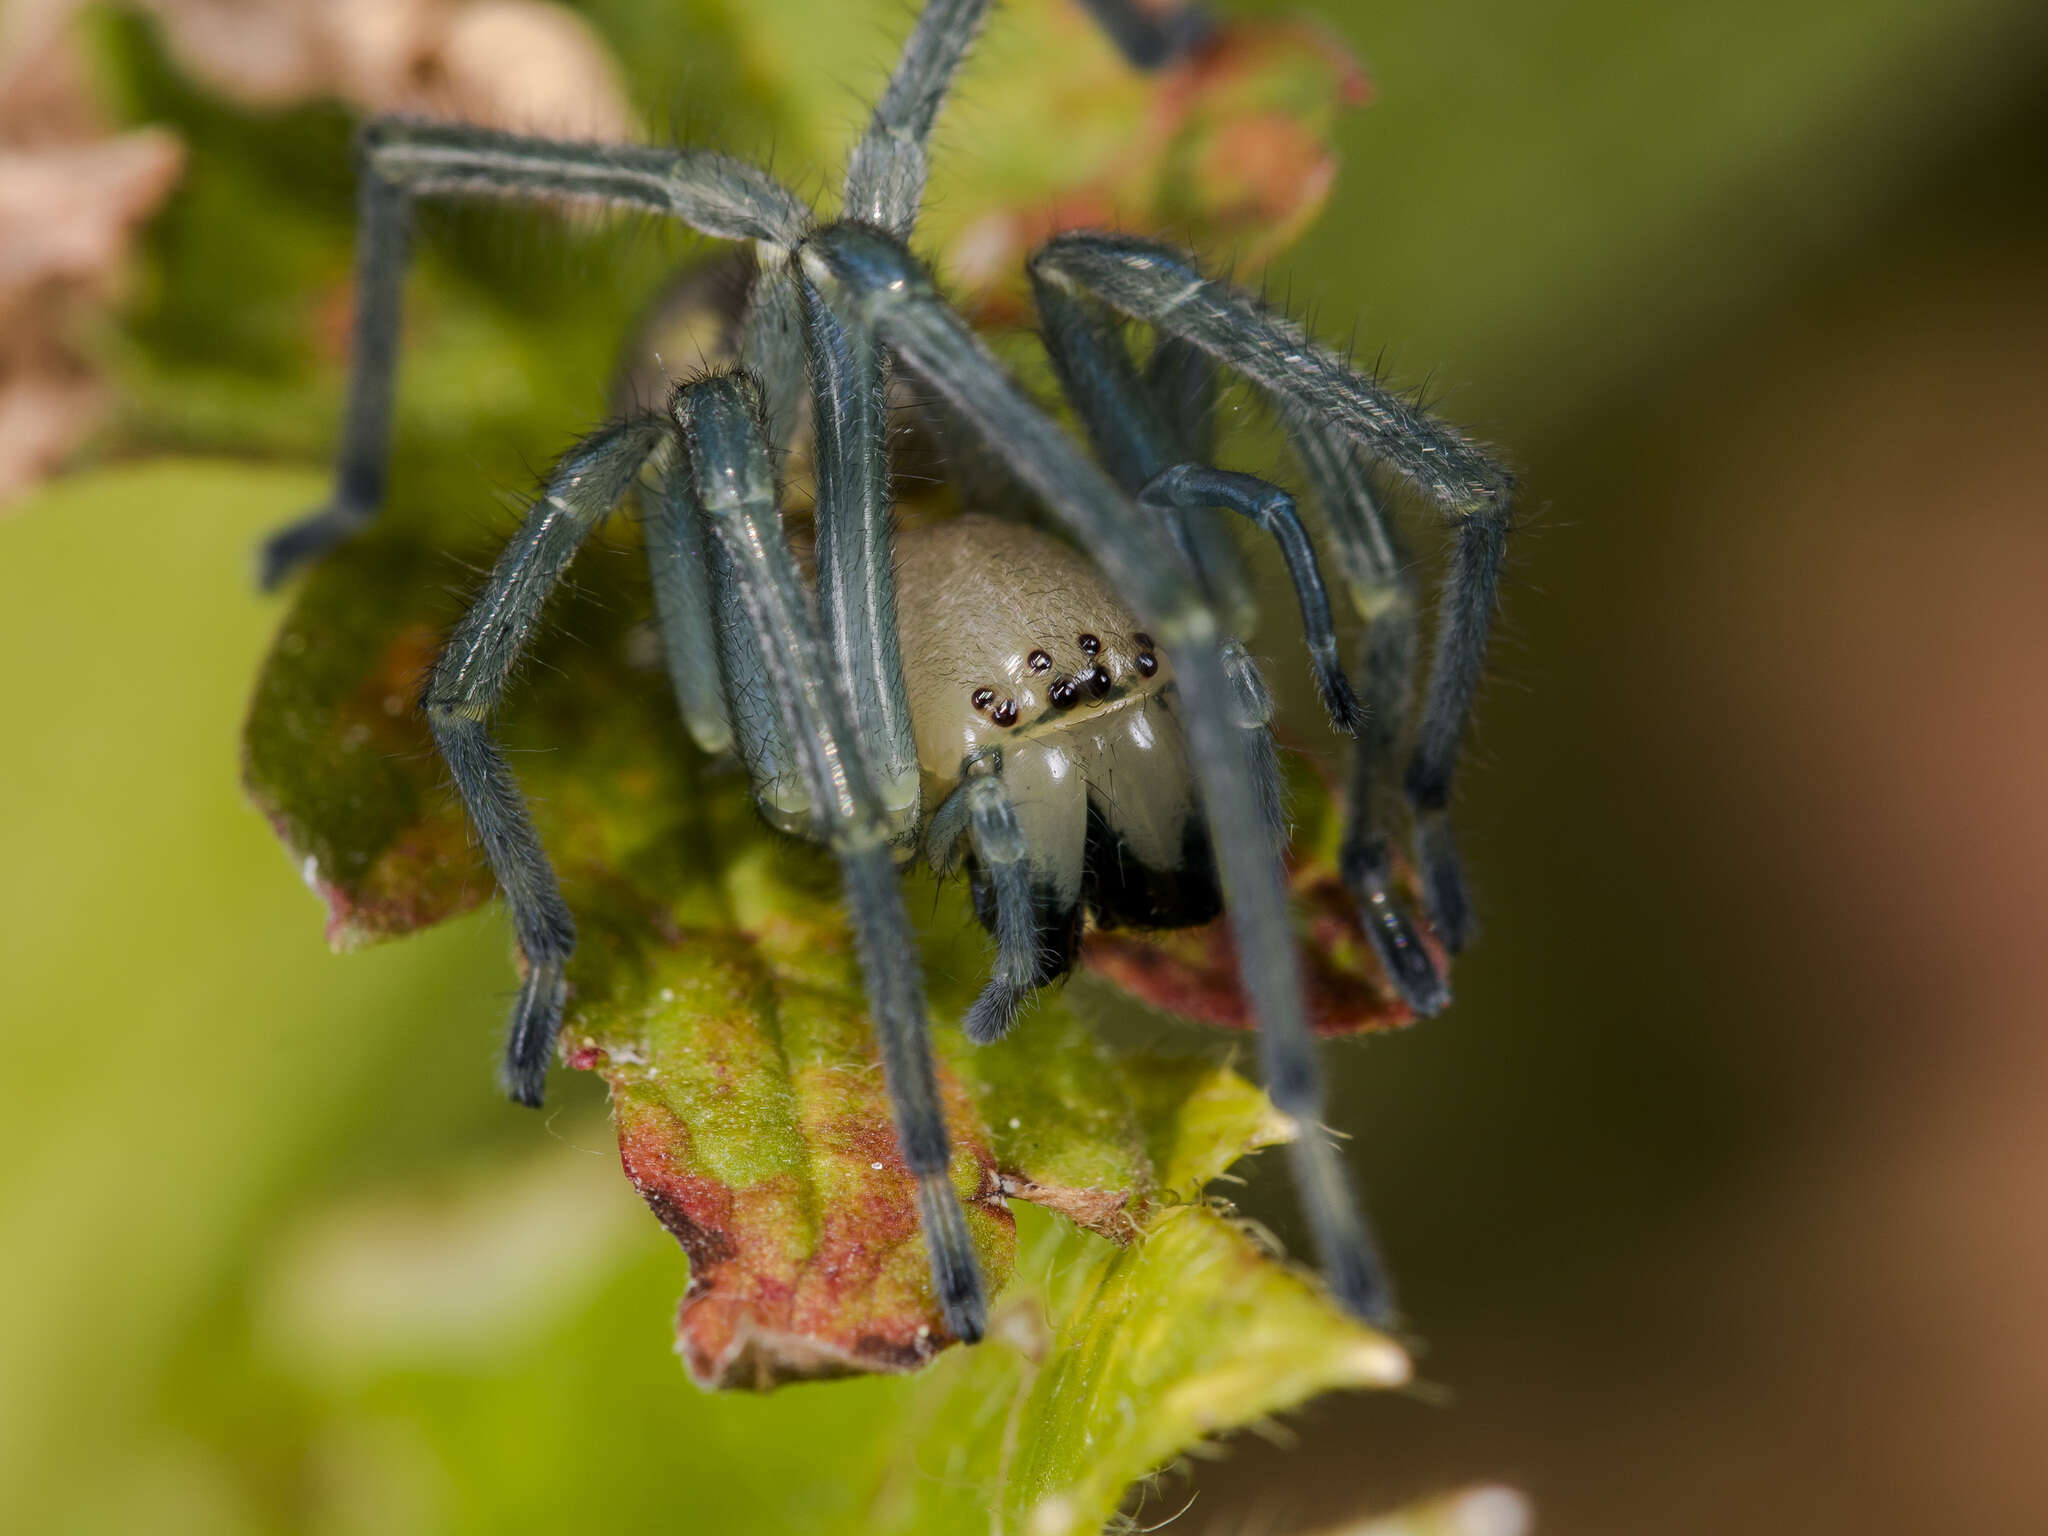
<point>400,161</point>
<point>732,488</point>
<point>463,692</point>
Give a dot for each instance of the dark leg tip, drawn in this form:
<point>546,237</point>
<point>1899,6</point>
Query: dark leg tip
<point>301,542</point>
<point>966,1312</point>
<point>955,1275</point>
<point>994,1013</point>
<point>536,1019</point>
<point>1443,882</point>
<point>1340,699</point>
<point>526,1087</point>
<point>1410,967</point>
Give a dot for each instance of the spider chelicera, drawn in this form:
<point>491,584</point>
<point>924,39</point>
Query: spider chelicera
<point>1067,714</point>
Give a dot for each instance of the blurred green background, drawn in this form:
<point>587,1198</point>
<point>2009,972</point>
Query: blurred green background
<point>1719,1196</point>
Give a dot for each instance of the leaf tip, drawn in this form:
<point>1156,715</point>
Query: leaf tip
<point>1376,1361</point>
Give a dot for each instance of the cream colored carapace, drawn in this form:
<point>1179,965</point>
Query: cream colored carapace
<point>1013,643</point>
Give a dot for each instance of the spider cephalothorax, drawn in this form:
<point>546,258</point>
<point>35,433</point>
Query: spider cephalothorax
<point>1027,667</point>
<point>1067,713</point>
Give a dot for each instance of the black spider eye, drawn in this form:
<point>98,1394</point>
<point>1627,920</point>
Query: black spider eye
<point>1005,713</point>
<point>1063,692</point>
<point>1096,681</point>
<point>1142,641</point>
<point>1147,663</point>
<point>1090,645</point>
<point>1038,661</point>
<point>983,697</point>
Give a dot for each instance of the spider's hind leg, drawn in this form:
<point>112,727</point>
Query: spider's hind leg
<point>1381,580</point>
<point>1147,451</point>
<point>1315,388</point>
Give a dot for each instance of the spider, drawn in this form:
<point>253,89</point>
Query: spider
<point>1066,713</point>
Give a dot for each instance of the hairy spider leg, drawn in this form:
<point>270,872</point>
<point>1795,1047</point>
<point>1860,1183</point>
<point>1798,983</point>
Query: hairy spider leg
<point>1162,287</point>
<point>725,444</point>
<point>1383,589</point>
<point>679,569</point>
<point>1181,381</point>
<point>398,161</point>
<point>714,658</point>
<point>463,691</point>
<point>885,180</point>
<point>886,173</point>
<point>1135,439</point>
<point>856,570</point>
<point>888,291</point>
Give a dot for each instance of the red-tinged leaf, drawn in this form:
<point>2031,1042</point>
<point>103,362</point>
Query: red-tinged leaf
<point>1192,972</point>
<point>752,1119</point>
<point>1226,149</point>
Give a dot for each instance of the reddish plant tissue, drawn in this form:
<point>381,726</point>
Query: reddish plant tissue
<point>760,1309</point>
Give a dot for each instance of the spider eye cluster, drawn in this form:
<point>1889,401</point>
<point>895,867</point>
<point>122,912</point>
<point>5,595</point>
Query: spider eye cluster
<point>1089,678</point>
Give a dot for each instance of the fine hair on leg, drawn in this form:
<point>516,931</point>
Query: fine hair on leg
<point>724,442</point>
<point>463,692</point>
<point>886,173</point>
<point>856,568</point>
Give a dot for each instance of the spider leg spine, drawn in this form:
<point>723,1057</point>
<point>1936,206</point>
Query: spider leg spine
<point>885,175</point>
